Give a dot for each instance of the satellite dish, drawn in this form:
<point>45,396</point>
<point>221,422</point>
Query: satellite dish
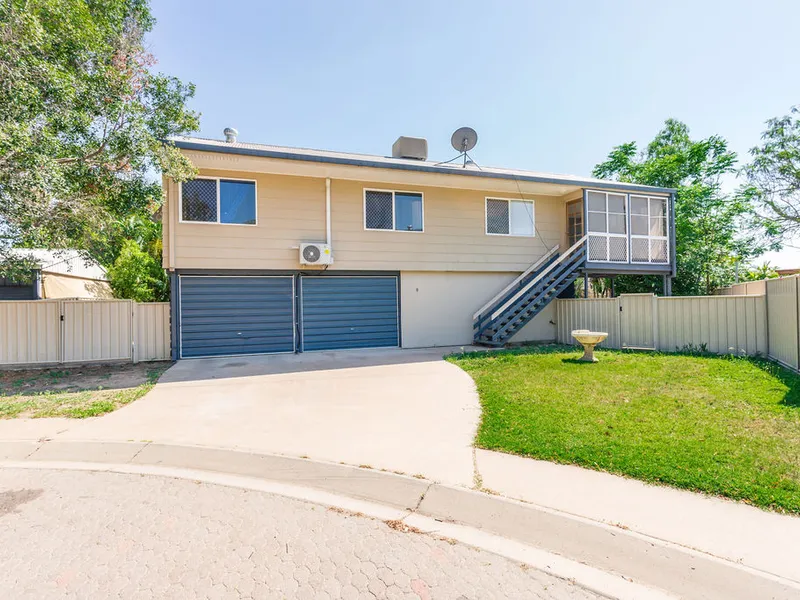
<point>464,139</point>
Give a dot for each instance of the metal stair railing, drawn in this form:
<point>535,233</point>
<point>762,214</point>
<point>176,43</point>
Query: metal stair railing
<point>483,314</point>
<point>521,310</point>
<point>572,249</point>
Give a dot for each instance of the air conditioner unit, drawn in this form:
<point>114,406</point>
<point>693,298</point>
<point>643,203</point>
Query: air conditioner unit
<point>315,254</point>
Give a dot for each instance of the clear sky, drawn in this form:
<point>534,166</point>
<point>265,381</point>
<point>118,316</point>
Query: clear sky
<point>549,86</point>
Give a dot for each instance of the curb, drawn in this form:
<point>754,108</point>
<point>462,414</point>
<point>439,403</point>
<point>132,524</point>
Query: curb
<point>624,564</point>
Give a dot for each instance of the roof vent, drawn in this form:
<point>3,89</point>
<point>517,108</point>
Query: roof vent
<point>230,135</point>
<point>409,147</point>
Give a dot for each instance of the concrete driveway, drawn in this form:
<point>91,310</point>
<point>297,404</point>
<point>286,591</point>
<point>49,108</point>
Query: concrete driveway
<point>400,410</point>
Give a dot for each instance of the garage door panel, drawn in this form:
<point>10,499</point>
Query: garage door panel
<point>349,312</point>
<point>236,315</point>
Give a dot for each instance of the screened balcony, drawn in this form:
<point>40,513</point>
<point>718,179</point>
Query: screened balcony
<point>625,232</point>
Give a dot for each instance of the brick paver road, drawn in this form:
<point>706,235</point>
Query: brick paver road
<point>70,534</point>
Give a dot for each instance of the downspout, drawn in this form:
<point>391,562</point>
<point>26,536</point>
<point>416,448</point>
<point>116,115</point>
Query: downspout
<point>172,204</point>
<point>328,211</point>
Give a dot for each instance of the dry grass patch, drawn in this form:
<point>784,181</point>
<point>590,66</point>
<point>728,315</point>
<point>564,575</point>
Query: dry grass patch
<point>75,391</point>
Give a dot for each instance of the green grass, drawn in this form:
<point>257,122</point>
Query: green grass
<point>73,394</point>
<point>721,425</point>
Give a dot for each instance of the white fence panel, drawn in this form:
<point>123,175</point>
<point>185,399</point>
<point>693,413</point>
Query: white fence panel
<point>596,314</point>
<point>97,330</point>
<point>152,332</point>
<point>29,332</point>
<point>782,320</point>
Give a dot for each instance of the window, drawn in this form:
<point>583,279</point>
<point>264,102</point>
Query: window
<point>607,227</point>
<point>398,211</point>
<point>226,201</point>
<point>649,242</point>
<point>509,217</point>
<point>574,222</point>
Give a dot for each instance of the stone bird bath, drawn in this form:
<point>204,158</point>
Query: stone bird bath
<point>588,339</point>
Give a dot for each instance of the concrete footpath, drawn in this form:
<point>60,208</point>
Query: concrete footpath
<point>606,558</point>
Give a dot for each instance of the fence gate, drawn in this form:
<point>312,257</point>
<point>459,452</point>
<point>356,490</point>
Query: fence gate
<point>638,322</point>
<point>96,331</point>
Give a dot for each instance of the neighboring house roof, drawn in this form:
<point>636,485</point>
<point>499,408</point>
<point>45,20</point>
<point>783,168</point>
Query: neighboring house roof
<point>387,162</point>
<point>65,262</point>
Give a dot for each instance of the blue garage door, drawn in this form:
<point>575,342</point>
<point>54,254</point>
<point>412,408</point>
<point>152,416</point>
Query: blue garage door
<point>349,312</point>
<point>223,316</point>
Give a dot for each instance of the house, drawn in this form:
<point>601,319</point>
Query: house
<point>58,274</point>
<point>276,249</point>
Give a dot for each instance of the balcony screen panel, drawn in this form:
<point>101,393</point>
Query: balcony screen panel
<point>616,203</point>
<point>598,248</point>
<point>658,226</point>
<point>638,205</point>
<point>618,249</point>
<point>658,251</point>
<point>640,250</point>
<point>597,201</point>
<point>616,223</point>
<point>638,225</point>
<point>658,207</point>
<point>597,222</point>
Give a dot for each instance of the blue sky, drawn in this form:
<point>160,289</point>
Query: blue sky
<point>549,86</point>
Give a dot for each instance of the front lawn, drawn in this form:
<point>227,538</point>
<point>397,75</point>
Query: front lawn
<point>722,425</point>
<point>75,391</point>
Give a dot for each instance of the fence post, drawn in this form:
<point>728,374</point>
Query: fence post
<point>134,330</point>
<point>655,322</point>
<point>797,324</point>
<point>60,335</point>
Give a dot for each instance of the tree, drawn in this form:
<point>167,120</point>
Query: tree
<point>774,173</point>
<point>83,124</point>
<point>136,275</point>
<point>713,230</point>
<point>757,273</point>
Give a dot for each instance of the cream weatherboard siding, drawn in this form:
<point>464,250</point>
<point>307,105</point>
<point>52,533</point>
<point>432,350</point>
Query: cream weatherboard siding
<point>291,210</point>
<point>437,308</point>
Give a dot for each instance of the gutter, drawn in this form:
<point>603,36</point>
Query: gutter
<point>359,162</point>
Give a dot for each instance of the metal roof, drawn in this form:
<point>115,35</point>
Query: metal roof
<point>64,261</point>
<point>404,164</point>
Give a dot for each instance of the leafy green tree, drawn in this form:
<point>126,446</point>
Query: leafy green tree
<point>83,119</point>
<point>774,172</point>
<point>757,273</point>
<point>713,229</point>
<point>136,275</point>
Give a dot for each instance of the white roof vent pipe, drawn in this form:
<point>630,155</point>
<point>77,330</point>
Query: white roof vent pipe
<point>230,135</point>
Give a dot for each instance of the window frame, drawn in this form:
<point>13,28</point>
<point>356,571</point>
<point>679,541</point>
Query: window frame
<point>219,212</point>
<point>607,235</point>
<point>665,238</point>
<point>530,201</point>
<point>394,210</point>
